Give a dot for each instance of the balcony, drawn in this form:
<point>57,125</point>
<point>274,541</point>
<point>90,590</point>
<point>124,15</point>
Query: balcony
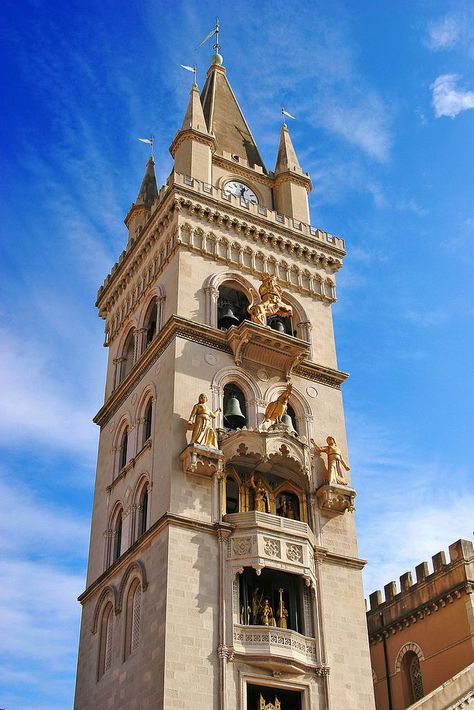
<point>276,649</point>
<point>259,345</point>
<point>263,540</point>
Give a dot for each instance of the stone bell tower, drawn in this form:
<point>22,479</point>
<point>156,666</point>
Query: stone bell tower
<point>223,568</point>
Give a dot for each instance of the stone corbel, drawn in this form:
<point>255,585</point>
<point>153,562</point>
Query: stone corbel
<point>335,499</point>
<point>202,461</point>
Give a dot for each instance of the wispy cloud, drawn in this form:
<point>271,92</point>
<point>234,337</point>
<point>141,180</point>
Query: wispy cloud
<point>448,99</point>
<point>443,33</point>
<point>394,536</point>
<point>40,615</point>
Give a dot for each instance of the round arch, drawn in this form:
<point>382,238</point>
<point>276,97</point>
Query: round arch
<point>108,594</point>
<point>304,415</point>
<point>406,648</point>
<point>135,569</point>
<point>211,289</point>
<point>250,388</point>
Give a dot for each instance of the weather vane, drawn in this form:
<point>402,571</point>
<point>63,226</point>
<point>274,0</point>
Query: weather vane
<point>285,113</point>
<point>214,31</point>
<point>191,69</point>
<point>149,141</point>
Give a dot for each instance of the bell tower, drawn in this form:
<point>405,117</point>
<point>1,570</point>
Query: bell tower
<point>223,568</point>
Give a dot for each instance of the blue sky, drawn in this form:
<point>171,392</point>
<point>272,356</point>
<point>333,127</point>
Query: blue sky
<point>383,94</point>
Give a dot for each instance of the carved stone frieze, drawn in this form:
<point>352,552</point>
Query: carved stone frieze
<point>294,552</point>
<point>272,547</point>
<point>334,499</point>
<point>278,649</point>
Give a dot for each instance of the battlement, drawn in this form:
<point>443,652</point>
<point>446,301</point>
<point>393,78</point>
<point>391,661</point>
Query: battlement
<point>431,590</point>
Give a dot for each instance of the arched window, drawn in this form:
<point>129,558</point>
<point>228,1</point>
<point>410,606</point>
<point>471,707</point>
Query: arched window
<point>150,324</point>
<point>291,413</point>
<point>143,512</point>
<point>235,408</point>
<point>127,355</point>
<point>105,640</point>
<point>231,307</point>
<point>117,536</point>
<point>282,324</point>
<point>133,618</point>
<point>123,451</point>
<point>231,495</point>
<point>412,678</point>
<point>147,422</point>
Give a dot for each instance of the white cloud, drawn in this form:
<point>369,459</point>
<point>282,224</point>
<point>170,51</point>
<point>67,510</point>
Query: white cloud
<point>38,592</point>
<point>38,404</point>
<point>443,33</point>
<point>448,100</point>
<point>403,520</point>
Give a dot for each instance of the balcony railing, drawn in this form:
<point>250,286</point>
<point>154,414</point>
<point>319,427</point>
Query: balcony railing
<point>268,644</point>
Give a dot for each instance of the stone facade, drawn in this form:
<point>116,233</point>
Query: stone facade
<point>422,635</point>
<point>182,556</point>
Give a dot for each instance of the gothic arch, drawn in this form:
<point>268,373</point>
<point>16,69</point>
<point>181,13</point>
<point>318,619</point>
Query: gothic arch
<point>405,649</point>
<point>109,593</point>
<point>211,290</point>
<point>144,480</point>
<point>135,569</point>
<point>124,421</point>
<point>247,384</point>
<point>149,392</point>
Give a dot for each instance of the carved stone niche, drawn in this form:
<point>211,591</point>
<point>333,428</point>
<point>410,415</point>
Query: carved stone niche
<point>262,345</point>
<point>202,461</point>
<point>335,499</point>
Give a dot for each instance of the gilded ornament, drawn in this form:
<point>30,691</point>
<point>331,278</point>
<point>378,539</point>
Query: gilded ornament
<point>336,462</point>
<point>200,420</point>
<point>277,409</point>
<point>271,303</point>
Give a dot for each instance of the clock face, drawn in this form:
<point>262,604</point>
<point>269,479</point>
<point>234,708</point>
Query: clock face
<point>238,189</point>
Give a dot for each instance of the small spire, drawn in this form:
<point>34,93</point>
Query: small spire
<point>194,116</point>
<point>148,190</point>
<point>286,158</point>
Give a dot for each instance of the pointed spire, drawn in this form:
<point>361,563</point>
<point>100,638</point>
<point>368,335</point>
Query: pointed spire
<point>225,119</point>
<point>194,116</point>
<point>286,158</point>
<point>148,190</point>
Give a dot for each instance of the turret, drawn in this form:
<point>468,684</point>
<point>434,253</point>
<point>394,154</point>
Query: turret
<point>193,145</point>
<point>139,212</point>
<point>291,184</point>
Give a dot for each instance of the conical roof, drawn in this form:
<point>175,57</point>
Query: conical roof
<point>194,116</point>
<point>286,158</point>
<point>225,119</point>
<point>148,190</point>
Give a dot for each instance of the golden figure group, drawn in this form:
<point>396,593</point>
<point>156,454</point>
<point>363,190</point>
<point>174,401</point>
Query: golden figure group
<point>261,611</point>
<point>271,303</point>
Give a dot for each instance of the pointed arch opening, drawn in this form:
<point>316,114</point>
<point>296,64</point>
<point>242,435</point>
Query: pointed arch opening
<point>150,324</point>
<point>133,612</point>
<point>232,305</point>
<point>234,407</point>
<point>127,357</point>
<point>116,534</point>
<point>123,450</point>
<point>147,421</point>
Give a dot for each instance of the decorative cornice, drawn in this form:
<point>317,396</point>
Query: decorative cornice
<point>177,327</point>
<point>195,135</point>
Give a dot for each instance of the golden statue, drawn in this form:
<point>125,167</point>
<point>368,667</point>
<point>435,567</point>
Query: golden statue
<point>271,303</point>
<point>276,409</point>
<point>262,504</point>
<point>336,462</point>
<point>200,420</point>
<point>263,705</point>
<point>266,615</point>
<point>282,613</point>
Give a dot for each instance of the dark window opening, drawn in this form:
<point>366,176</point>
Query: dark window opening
<point>150,326</point>
<point>117,537</point>
<point>235,410</point>
<point>231,307</point>
<point>127,356</point>
<point>147,422</point>
<point>260,697</point>
<point>271,599</point>
<point>231,495</point>
<point>123,450</point>
<point>288,506</point>
<point>143,513</point>
<point>282,324</point>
